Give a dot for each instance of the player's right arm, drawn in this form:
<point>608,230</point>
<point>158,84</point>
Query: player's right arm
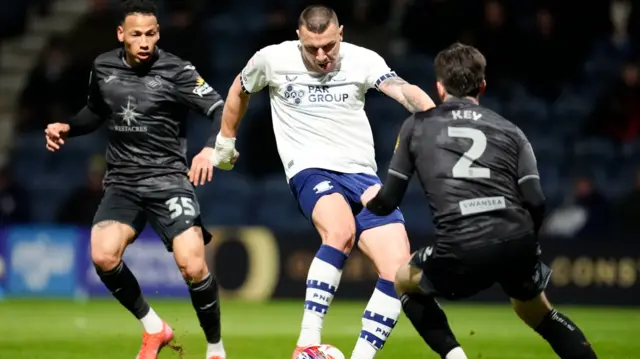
<point>252,79</point>
<point>87,120</point>
<point>389,196</point>
<point>529,182</point>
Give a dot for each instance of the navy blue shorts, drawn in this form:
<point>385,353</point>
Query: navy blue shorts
<point>311,184</point>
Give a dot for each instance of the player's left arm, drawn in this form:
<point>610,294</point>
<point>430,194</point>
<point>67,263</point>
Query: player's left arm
<point>390,195</point>
<point>410,96</point>
<point>198,95</point>
<point>388,82</point>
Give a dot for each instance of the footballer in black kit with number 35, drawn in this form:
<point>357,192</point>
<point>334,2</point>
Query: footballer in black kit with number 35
<point>481,179</point>
<point>144,95</point>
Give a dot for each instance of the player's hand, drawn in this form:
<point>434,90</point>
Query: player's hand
<point>224,155</point>
<point>56,134</point>
<point>369,193</point>
<point>202,167</point>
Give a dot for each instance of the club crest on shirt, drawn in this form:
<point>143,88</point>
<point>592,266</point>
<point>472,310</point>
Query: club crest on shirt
<point>155,83</point>
<point>202,87</point>
<point>293,94</point>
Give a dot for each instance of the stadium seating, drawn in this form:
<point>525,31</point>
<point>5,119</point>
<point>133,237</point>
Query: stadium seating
<point>554,129</point>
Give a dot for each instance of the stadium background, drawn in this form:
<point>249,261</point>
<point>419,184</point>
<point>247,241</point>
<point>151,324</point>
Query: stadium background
<point>565,72</point>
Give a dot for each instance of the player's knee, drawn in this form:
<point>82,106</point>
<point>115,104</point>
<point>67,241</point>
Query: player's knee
<point>108,242</point>
<point>532,311</point>
<point>105,261</point>
<point>342,239</point>
<point>193,270</point>
<point>335,223</point>
<point>188,251</point>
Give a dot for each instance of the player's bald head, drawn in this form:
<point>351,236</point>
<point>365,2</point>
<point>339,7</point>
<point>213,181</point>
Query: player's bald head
<point>317,18</point>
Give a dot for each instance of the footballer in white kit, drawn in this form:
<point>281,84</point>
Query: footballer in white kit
<point>317,88</point>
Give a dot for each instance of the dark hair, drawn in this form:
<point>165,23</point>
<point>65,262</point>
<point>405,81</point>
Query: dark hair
<point>317,18</point>
<point>146,7</point>
<point>460,68</point>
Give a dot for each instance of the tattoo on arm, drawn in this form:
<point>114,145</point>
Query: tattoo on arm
<point>394,86</point>
<point>395,81</point>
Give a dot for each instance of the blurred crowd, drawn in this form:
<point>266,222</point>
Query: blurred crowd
<point>564,71</point>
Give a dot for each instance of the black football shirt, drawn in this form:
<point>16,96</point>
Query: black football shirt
<point>145,108</point>
<point>469,161</point>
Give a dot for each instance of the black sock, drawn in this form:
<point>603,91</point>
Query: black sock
<point>124,286</point>
<point>204,296</point>
<point>430,321</point>
<point>566,339</point>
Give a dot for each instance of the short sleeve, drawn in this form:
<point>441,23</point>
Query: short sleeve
<point>95,101</point>
<point>377,71</point>
<point>402,163</point>
<point>527,163</point>
<point>195,92</point>
<point>253,77</point>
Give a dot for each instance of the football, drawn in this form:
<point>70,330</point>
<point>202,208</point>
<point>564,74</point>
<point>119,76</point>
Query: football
<point>323,351</point>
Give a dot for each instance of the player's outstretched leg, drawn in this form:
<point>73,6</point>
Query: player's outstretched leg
<point>335,223</point>
<point>108,242</point>
<point>388,247</point>
<point>189,253</point>
<point>426,315</point>
<point>564,336</point>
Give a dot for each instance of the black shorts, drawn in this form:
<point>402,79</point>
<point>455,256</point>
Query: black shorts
<point>514,264</point>
<point>170,211</point>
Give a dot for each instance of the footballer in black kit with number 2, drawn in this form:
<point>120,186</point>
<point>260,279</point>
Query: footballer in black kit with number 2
<point>144,95</point>
<point>480,176</point>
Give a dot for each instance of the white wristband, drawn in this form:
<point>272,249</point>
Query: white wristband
<point>225,141</point>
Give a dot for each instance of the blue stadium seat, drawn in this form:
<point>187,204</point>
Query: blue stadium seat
<point>275,205</point>
<point>420,65</point>
<point>226,200</point>
<point>493,103</point>
<point>547,146</point>
<point>30,142</point>
<point>623,181</point>
<point>550,178</point>
<point>415,209</point>
<point>417,216</point>
<point>570,111</point>
<point>385,138</point>
<point>46,201</point>
<point>273,187</point>
<point>526,107</point>
<point>594,151</point>
<point>236,50</point>
<point>598,173</point>
<point>631,152</point>
<point>27,165</point>
<point>281,215</point>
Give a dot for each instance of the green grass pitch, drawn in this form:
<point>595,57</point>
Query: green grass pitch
<point>101,329</point>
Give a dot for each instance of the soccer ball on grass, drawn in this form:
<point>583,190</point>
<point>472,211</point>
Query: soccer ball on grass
<point>323,351</point>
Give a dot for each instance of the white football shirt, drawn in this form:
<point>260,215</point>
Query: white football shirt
<point>319,119</point>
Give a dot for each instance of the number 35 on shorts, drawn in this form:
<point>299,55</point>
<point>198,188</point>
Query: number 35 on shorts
<point>181,206</point>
